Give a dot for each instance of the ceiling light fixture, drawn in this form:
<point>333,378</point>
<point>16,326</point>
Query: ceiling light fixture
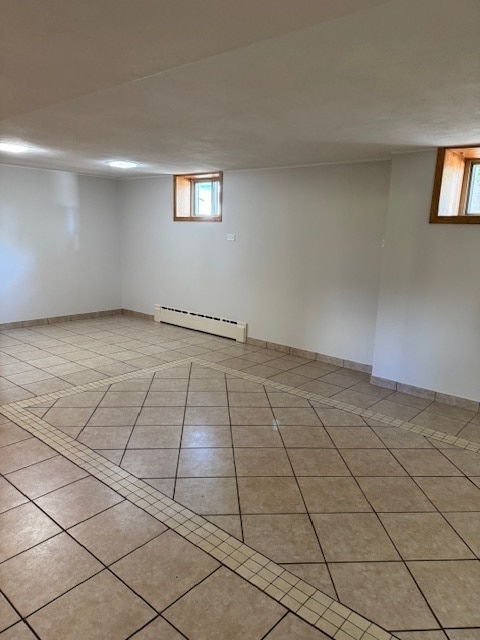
<point>122,164</point>
<point>13,147</point>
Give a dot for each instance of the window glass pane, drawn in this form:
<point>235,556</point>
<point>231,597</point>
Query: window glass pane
<point>205,198</point>
<point>473,198</point>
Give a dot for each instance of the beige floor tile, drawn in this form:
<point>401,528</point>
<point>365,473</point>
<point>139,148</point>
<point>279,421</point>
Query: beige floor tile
<point>11,433</point>
<point>298,417</point>
<point>19,631</point>
<point>355,398</point>
<point>117,531</point>
<point>159,629</point>
<point>452,589</point>
<point>421,635</point>
<point>8,615</point>
<point>206,436</point>
<point>83,377</point>
<point>424,536</point>
<point>238,384</point>
<point>216,609</point>
<point>332,495</point>
<point>353,537</point>
<point>212,496</point>
<point>230,524</point>
<point>205,463</point>
<point>166,399</point>
<point>292,628</point>
<point>467,525</point>
<point>395,438</point>
<point>281,399</point>
<point>282,538</point>
<point>337,417</point>
<point>9,496</point>
<point>251,416</point>
<point>142,384</point>
<point>151,463</point>
<point>257,436</point>
<point>205,416</point>
<point>259,461</point>
<point>155,437</point>
<point>384,592</point>
<point>149,570</point>
<point>105,437</point>
<point>204,384</point>
<point>452,411</point>
<point>364,386</point>
<point>69,417</point>
<point>47,386</point>
<point>78,501</point>
<point>425,462</point>
<point>46,476</point>
<point>102,608</point>
<point>263,371</point>
<point>409,399</point>
<point>355,438</point>
<point>80,400</point>
<point>114,417</point>
<point>270,495</point>
<point>396,409</point>
<point>161,416</point>
<point>394,494</point>
<point>451,494</point>
<point>165,485</point>
<point>317,462</point>
<point>207,399</point>
<point>22,528</point>
<point>22,454</point>
<point>306,437</point>
<point>470,432</point>
<point>246,399</point>
<point>438,422</point>
<point>288,378</point>
<point>464,634</point>
<point>123,399</point>
<point>42,573</point>
<point>372,462</point>
<point>315,574</point>
<point>467,461</point>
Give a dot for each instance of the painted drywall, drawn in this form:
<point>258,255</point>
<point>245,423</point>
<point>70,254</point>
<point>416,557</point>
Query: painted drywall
<point>303,271</point>
<point>428,326</point>
<point>59,244</point>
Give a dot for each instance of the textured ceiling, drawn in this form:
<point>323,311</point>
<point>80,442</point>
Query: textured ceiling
<point>182,85</point>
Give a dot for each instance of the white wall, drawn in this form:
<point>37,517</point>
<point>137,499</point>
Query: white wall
<point>428,327</point>
<point>304,270</point>
<point>59,244</point>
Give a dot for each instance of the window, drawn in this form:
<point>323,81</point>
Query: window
<point>456,189</point>
<point>198,197</point>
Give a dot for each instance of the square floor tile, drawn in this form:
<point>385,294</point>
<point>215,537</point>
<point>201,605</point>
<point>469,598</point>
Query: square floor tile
<point>353,537</point>
<point>22,528</point>
<point>46,476</point>
<point>207,399</point>
<point>206,436</point>
<point>68,417</point>
<point>372,462</point>
<point>22,454</point>
<point>337,417</point>
<point>164,569</point>
<point>355,438</point>
<point>78,501</point>
<point>123,399</point>
<point>424,536</point>
<point>8,615</point>
<point>155,437</point>
<point>332,495</point>
<point>247,399</point>
<point>257,436</point>
<point>204,384</point>
<point>438,422</point>
<point>315,574</point>
<point>169,384</point>
<point>451,494</point>
<point>297,417</point>
<point>166,399</point>
<point>231,524</point>
<point>114,417</point>
<point>452,589</point>
<point>151,463</point>
<point>102,608</point>
<point>394,494</point>
<point>205,463</point>
<point>282,399</point>
<point>117,531</point>
<point>259,461</point>
<point>467,461</point>
<point>159,629</point>
<point>161,416</point>
<point>426,462</point>
<point>306,437</point>
<point>467,525</point>
<point>396,438</point>
<point>270,495</point>
<point>317,462</point>
<point>217,607</point>
<point>384,592</point>
<point>205,416</point>
<point>42,573</point>
<point>213,496</point>
<point>251,416</point>
<point>80,400</point>
<point>9,496</point>
<point>282,538</point>
<point>11,433</point>
<point>105,437</point>
<point>292,628</point>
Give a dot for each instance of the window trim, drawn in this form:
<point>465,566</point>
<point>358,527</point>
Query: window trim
<point>471,154</point>
<point>182,183</point>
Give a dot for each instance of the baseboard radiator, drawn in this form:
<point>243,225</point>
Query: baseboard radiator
<point>201,322</point>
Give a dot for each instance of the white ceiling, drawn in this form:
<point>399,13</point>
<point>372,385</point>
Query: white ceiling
<point>187,85</point>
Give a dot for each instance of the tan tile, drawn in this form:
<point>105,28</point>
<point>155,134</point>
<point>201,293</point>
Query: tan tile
<point>257,436</point>
<point>353,537</point>
<point>19,631</point>
<point>395,438</point>
<point>216,609</point>
<point>22,454</point>
<point>321,388</point>
<point>342,377</point>
<point>238,384</point>
<point>165,485</point>
<point>166,399</point>
<point>355,398</point>
<point>452,589</point>
<point>11,433</point>
<point>425,462</point>
<point>466,461</point>
<point>78,501</point>
<point>251,416</point>
<point>207,399</point>
<point>421,635</point>
<point>451,494</point>
<point>8,615</point>
<point>204,416</point>
<point>438,422</point>
<point>296,417</point>
<point>9,496</point>
<point>159,629</point>
<point>337,417</point>
<point>151,463</point>
<point>384,592</point>
<point>80,400</point>
<point>143,384</point>
<point>102,608</point>
<point>205,463</point>
<point>394,494</point>
<point>372,462</point>
<point>332,495</point>
<point>213,496</point>
<point>123,399</point>
<point>288,378</point>
<point>395,409</point>
<point>283,538</point>
<point>84,377</point>
<point>105,437</point>
<point>315,574</point>
<point>281,399</point>
<point>47,386</point>
<point>230,524</point>
<point>452,411</point>
<point>246,399</point>
<point>22,528</point>
<point>68,417</point>
<point>112,417</point>
<point>470,432</point>
<point>46,476</point>
<point>206,436</point>
<point>204,384</point>
<point>155,437</point>
<point>42,573</point>
<point>149,570</point>
<point>355,438</point>
<point>467,525</point>
<point>292,628</point>
<point>317,462</point>
<point>306,437</point>
<point>259,461</point>
<point>464,634</point>
<point>270,495</point>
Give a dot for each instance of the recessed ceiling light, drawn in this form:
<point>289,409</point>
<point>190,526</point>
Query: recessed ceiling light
<point>122,164</point>
<point>12,147</point>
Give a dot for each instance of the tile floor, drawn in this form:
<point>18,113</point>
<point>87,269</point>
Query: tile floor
<point>323,486</point>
